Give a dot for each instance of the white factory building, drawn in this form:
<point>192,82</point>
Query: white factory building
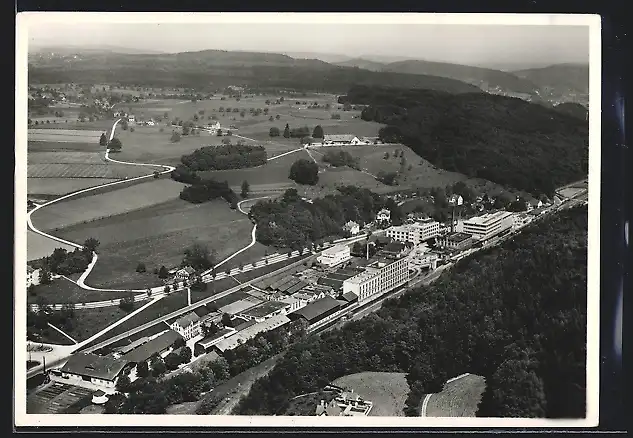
<point>415,233</point>
<point>488,225</point>
<point>335,255</point>
<point>379,277</point>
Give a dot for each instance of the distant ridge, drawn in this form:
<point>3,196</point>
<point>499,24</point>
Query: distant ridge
<point>562,77</point>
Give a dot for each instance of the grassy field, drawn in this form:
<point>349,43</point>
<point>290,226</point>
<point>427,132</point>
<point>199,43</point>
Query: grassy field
<point>64,135</point>
<point>80,170</point>
<point>72,124</point>
<point>459,398</point>
<point>62,290</point>
<point>62,186</point>
<point>58,146</point>
<point>66,157</point>
<point>387,391</point>
<point>90,321</point>
<point>75,211</point>
<point>158,235</point>
<point>38,246</point>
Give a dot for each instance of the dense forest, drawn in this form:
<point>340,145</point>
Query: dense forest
<point>515,314</point>
<point>225,157</point>
<point>509,141</point>
<point>291,222</point>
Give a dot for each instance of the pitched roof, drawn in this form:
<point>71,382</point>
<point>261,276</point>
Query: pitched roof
<point>350,297</point>
<point>210,340</point>
<point>317,308</point>
<point>188,319</point>
<point>338,137</point>
<point>156,345</point>
<point>92,365</point>
<point>242,336</point>
<point>264,309</point>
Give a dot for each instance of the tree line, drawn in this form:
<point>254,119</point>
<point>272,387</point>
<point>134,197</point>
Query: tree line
<point>515,314</point>
<point>225,157</point>
<point>509,141</point>
<point>293,223</point>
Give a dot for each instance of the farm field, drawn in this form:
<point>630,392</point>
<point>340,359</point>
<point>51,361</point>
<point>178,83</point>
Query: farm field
<point>62,291</point>
<point>62,146</point>
<point>38,246</point>
<point>89,208</point>
<point>76,170</point>
<point>55,398</point>
<point>66,157</point>
<point>71,122</point>
<point>459,398</point>
<point>158,235</point>
<point>62,186</point>
<point>387,391</point>
<point>64,135</point>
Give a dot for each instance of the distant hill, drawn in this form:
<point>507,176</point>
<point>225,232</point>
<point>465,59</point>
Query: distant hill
<point>212,69</point>
<point>507,81</point>
<point>332,58</point>
<point>362,63</point>
<point>572,109</point>
<point>561,77</point>
<point>90,49</point>
<point>509,141</point>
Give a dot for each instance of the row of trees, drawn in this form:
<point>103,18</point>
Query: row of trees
<point>341,158</point>
<point>225,157</point>
<point>300,132</point>
<point>515,314</point>
<point>209,189</point>
<point>505,140</point>
<point>67,263</point>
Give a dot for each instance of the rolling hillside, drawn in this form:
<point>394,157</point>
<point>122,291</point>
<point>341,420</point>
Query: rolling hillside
<point>362,63</point>
<point>561,77</point>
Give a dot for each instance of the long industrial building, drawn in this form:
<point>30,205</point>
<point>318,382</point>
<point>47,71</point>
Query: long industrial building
<point>380,276</point>
<point>489,225</point>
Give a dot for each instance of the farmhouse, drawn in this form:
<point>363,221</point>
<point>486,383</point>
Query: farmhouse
<point>161,345</point>
<point>187,326</point>
<point>184,273</point>
<point>86,368</point>
<point>131,118</point>
<point>383,215</point>
<point>32,276</point>
<point>534,204</point>
<point>331,139</point>
<point>346,404</point>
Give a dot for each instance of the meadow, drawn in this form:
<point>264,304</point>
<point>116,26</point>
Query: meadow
<point>64,135</point>
<point>62,291</point>
<point>38,246</point>
<point>60,186</point>
<point>459,398</point>
<point>387,391</point>
<point>158,235</point>
<point>80,170</point>
<point>90,208</point>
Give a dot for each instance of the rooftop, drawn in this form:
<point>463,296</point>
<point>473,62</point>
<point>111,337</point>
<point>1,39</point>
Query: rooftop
<point>188,319</point>
<point>457,237</point>
<point>210,340</point>
<point>487,218</point>
<point>250,332</point>
<point>152,347</point>
<point>338,137</point>
<point>92,365</point>
<point>336,249</point>
<point>264,309</point>
<point>317,308</point>
<point>350,297</point>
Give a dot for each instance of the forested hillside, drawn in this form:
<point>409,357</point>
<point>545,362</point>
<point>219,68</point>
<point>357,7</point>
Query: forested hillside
<point>506,140</point>
<point>515,314</point>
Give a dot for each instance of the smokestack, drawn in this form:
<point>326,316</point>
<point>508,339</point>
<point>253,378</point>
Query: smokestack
<point>189,296</point>
<point>453,220</point>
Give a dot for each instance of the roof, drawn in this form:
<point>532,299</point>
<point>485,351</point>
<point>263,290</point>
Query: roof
<point>394,247</point>
<point>351,224</point>
<point>91,365</point>
<point>264,309</point>
<point>210,340</point>
<point>188,269</point>
<point>457,237</point>
<point>245,325</point>
<point>238,306</point>
<point>486,219</point>
<point>339,137</point>
<point>332,282</point>
<point>156,345</point>
<point>201,311</point>
<point>242,336</point>
<point>335,250</point>
<point>317,308</point>
<point>132,345</point>
<point>350,297</point>
<point>187,320</point>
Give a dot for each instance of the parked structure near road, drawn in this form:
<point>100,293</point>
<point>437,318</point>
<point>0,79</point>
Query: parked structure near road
<point>340,139</point>
<point>335,255</point>
<point>187,326</point>
<point>415,233</point>
<point>488,225</point>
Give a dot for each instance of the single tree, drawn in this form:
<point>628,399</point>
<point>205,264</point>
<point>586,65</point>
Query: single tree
<point>273,132</point>
<point>91,244</point>
<point>185,354</point>
<point>115,145</point>
<point>226,320</point>
<point>45,276</point>
<point>175,137</point>
<point>287,131</point>
<point>162,272</point>
<point>103,140</point>
<point>318,132</point>
<point>142,369</point>
<point>141,267</point>
<point>277,117</point>
<point>245,189</point>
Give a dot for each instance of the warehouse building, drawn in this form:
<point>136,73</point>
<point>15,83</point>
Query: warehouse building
<point>455,241</point>
<point>335,255</point>
<point>89,370</point>
<point>318,311</point>
<point>380,276</point>
<point>415,233</point>
<point>488,225</point>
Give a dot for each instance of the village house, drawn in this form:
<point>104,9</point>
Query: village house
<point>131,118</point>
<point>352,228</point>
<point>184,273</point>
<point>187,326</point>
<point>456,200</point>
<point>340,139</point>
<point>534,204</point>
<point>346,404</point>
<point>91,371</point>
<point>32,276</point>
<point>383,215</point>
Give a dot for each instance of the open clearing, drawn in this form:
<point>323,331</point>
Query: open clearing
<point>89,208</point>
<point>158,235</point>
<point>62,291</point>
<point>38,246</point>
<point>459,398</point>
<point>387,391</point>
<point>62,186</point>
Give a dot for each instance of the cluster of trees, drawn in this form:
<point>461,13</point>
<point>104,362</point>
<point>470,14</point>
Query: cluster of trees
<point>67,263</point>
<point>300,132</point>
<point>199,257</point>
<point>304,171</point>
<point>515,314</point>
<point>37,323</point>
<point>225,157</point>
<point>509,141</point>
<point>208,189</point>
<point>293,223</point>
<point>152,395</point>
<point>341,158</point>
<point>115,145</point>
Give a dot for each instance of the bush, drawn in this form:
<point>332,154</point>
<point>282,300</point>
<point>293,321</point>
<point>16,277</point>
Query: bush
<point>141,267</point>
<point>304,172</point>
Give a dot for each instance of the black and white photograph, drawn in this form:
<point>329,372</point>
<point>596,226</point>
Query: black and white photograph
<point>307,219</point>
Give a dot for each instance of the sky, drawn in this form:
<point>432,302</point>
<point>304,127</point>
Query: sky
<point>470,44</point>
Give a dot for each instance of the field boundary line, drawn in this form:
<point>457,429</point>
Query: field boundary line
<point>62,332</point>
